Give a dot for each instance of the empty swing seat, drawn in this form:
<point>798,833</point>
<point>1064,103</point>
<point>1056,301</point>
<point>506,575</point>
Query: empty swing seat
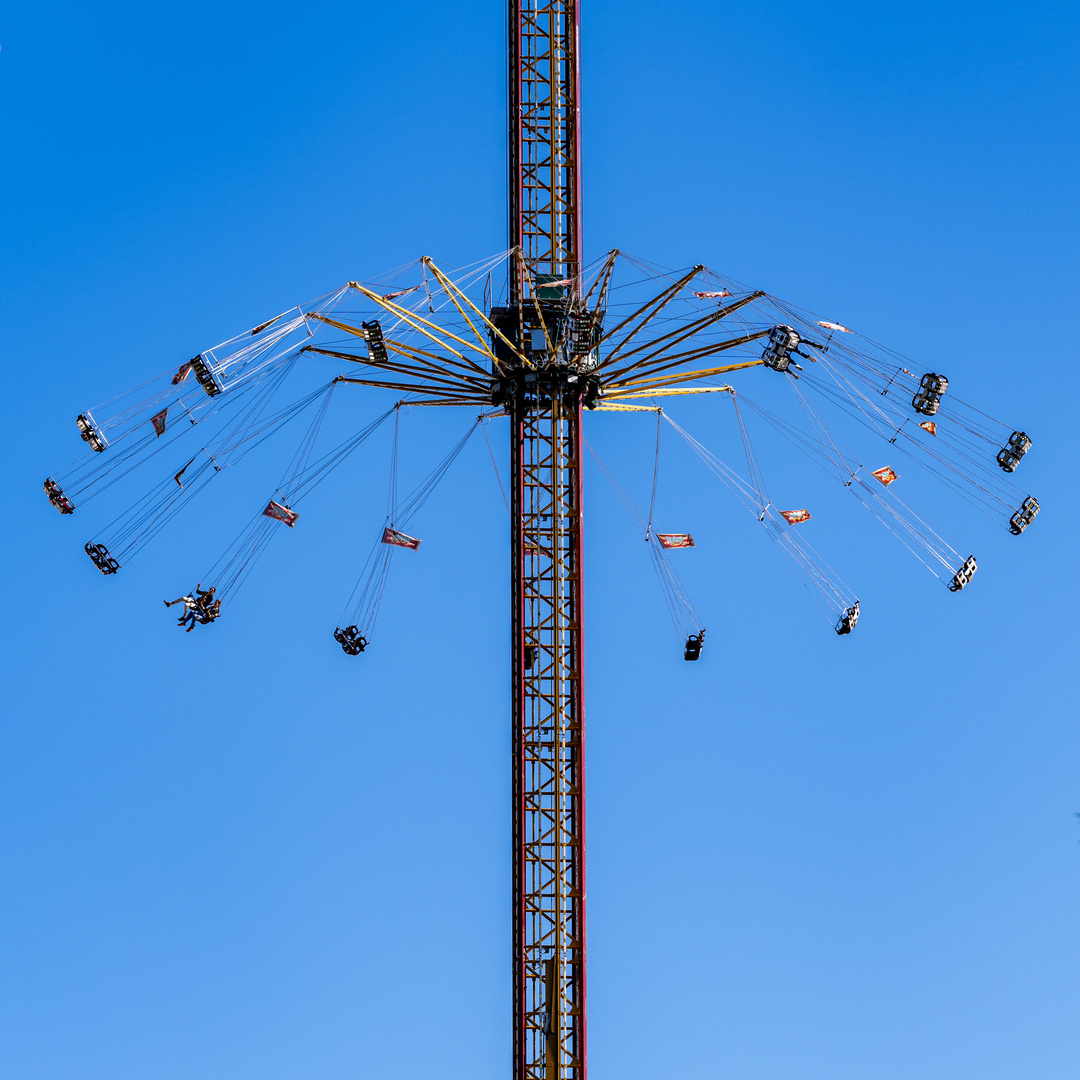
<point>927,399</point>
<point>351,640</point>
<point>57,497</point>
<point>100,557</point>
<point>90,433</point>
<point>964,575</point>
<point>692,650</point>
<point>373,336</point>
<point>205,376</point>
<point>1024,516</point>
<point>1010,454</point>
<point>783,341</point>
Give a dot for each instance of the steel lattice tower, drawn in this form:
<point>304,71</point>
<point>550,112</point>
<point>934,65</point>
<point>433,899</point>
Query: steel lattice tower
<point>546,552</point>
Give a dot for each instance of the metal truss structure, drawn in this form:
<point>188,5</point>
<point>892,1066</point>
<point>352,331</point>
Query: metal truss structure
<point>546,554</point>
<point>548,739</point>
<point>545,135</point>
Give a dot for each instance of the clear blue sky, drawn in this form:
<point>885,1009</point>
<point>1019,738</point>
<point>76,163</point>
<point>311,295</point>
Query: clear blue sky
<point>240,855</point>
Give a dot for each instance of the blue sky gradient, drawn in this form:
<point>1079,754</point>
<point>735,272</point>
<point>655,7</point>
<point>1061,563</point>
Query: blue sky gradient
<point>240,854</point>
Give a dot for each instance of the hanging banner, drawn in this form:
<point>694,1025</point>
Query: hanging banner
<point>835,326</point>
<point>159,421</point>
<point>270,322</point>
<point>399,539</point>
<point>281,513</point>
<point>675,540</point>
<point>795,517</point>
<point>182,374</point>
<point>179,482</point>
<point>885,475</point>
<point>929,425</point>
<point>402,292</point>
<point>711,295</point>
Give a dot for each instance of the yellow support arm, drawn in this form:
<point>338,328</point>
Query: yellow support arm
<point>418,322</point>
<point>670,392</point>
<point>454,292</point>
<point>690,376</point>
<point>627,408</point>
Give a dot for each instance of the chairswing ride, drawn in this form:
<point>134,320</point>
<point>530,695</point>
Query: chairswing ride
<point>632,335</point>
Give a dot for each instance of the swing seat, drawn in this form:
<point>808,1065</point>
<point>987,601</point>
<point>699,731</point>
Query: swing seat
<point>90,433</point>
<point>204,376</point>
<point>964,575</point>
<point>1010,454</point>
<point>57,497</point>
<point>373,337</point>
<point>846,623</point>
<point>693,646</point>
<point>352,642</point>
<point>100,557</point>
<point>1024,516</point>
<point>927,399</point>
<point>783,341</point>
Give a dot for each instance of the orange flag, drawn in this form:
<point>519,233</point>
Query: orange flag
<point>675,540</point>
<point>795,517</point>
<point>399,539</point>
<point>281,513</point>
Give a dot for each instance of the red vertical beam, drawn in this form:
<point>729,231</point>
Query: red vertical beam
<point>577,443</point>
<point>544,136</point>
<point>544,122</point>
<point>513,121</point>
<point>548,730</point>
<point>574,267</point>
<point>517,603</point>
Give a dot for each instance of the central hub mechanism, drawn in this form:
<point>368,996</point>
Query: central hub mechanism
<point>531,389</point>
<point>559,343</point>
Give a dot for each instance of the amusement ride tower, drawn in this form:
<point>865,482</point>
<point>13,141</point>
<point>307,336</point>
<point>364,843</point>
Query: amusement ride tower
<point>554,344</point>
<point>544,399</point>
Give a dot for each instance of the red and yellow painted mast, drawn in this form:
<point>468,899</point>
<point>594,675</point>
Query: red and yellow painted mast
<point>544,399</point>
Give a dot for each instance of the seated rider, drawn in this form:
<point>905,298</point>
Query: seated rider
<point>191,609</point>
<point>204,598</point>
<point>207,613</point>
